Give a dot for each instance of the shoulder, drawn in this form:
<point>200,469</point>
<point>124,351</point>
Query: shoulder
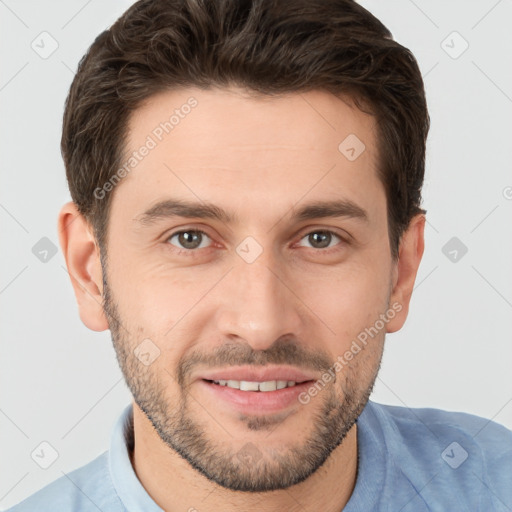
<point>455,451</point>
<point>88,488</point>
<point>490,437</point>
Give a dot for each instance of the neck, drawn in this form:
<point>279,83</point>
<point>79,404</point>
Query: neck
<point>176,486</point>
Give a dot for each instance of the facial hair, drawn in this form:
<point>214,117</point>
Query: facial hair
<point>251,468</point>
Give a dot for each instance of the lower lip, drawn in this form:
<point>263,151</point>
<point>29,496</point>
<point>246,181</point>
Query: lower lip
<point>251,402</point>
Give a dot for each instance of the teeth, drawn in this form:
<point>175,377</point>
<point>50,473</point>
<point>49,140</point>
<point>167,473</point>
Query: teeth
<point>249,386</point>
<point>245,385</point>
<point>269,385</point>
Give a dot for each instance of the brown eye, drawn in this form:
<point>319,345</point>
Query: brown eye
<point>189,239</point>
<point>321,239</point>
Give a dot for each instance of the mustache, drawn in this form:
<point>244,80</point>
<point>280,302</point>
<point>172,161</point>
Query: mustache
<point>283,351</point>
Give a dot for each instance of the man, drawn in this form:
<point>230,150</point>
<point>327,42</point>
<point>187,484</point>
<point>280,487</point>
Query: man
<point>246,183</point>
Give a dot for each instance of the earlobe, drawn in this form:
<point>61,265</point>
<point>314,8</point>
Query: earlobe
<point>83,264</point>
<point>404,274</point>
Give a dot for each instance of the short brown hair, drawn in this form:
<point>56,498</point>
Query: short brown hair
<point>270,47</point>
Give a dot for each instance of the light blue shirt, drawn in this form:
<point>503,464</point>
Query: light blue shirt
<point>410,460</point>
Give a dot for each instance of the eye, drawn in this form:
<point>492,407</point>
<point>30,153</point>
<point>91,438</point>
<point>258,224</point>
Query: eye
<point>189,239</point>
<point>321,239</point>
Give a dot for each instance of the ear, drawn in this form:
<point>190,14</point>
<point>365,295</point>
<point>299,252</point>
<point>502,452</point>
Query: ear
<point>405,269</point>
<point>82,257</point>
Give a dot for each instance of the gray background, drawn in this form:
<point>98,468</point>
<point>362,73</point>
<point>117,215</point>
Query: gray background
<point>60,382</point>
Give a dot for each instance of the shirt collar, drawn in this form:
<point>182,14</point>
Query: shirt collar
<point>371,473</point>
<point>373,467</point>
<point>128,487</point>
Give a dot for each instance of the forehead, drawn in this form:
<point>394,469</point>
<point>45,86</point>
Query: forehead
<point>256,155</point>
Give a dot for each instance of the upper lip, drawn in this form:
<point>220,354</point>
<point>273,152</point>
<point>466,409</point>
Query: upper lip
<point>258,374</point>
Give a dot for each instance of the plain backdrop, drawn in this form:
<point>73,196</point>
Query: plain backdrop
<point>60,382</point>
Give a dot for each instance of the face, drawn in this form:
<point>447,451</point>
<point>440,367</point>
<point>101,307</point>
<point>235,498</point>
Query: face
<point>247,254</point>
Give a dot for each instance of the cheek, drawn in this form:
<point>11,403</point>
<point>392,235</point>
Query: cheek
<point>158,304</point>
<point>348,299</point>
<point>151,294</point>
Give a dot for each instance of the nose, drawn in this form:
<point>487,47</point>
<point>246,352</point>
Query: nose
<point>258,304</point>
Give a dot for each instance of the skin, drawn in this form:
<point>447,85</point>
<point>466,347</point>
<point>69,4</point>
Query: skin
<point>261,159</point>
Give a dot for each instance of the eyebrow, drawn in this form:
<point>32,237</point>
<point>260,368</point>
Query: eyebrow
<point>169,208</point>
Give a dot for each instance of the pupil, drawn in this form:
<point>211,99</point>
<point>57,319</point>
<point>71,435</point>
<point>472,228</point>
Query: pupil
<point>318,236</point>
<point>186,239</point>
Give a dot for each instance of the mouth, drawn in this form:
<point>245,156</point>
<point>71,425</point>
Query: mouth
<point>248,385</point>
<point>256,391</point>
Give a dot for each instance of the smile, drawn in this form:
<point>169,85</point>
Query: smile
<point>246,385</point>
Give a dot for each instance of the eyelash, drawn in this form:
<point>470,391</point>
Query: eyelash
<point>191,252</point>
